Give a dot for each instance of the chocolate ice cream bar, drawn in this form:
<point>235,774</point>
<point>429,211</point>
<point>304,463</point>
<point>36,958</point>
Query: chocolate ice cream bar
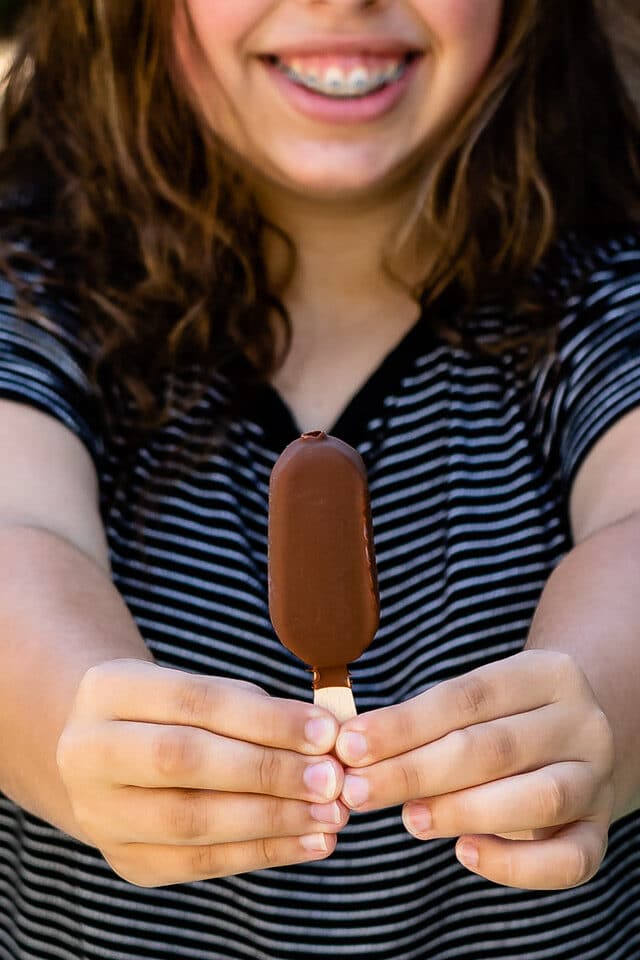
<point>323,590</point>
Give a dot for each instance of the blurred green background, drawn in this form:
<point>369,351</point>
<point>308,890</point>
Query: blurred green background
<point>9,10</point>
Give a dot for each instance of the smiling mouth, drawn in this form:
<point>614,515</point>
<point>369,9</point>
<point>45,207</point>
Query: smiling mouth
<point>369,76</point>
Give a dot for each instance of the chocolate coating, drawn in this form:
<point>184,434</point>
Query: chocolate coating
<point>323,590</point>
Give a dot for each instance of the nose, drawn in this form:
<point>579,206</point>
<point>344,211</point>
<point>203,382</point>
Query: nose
<point>346,4</point>
<point>342,8</point>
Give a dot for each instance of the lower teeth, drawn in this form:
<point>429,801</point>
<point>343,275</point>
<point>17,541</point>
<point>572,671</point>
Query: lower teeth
<point>347,95</point>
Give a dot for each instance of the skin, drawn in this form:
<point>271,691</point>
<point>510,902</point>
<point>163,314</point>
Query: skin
<point>126,754</point>
<point>536,761</point>
<point>340,193</point>
<point>308,157</point>
<point>541,746</point>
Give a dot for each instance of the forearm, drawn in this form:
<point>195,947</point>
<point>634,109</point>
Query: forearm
<point>59,615</point>
<point>590,609</point>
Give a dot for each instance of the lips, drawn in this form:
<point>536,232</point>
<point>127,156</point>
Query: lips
<point>342,79</point>
<point>316,46</point>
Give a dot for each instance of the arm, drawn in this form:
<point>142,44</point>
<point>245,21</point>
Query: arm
<point>590,607</point>
<point>172,776</point>
<point>542,746</point>
<point>59,612</point>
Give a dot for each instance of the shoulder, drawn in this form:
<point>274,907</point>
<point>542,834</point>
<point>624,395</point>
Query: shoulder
<point>582,272</point>
<point>591,379</point>
<point>36,302</point>
<point>591,279</point>
<point>582,261</point>
<point>47,352</point>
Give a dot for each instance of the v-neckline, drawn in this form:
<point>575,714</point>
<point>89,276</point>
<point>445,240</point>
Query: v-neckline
<point>270,411</point>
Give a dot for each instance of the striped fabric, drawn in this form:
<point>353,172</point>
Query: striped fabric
<point>469,466</point>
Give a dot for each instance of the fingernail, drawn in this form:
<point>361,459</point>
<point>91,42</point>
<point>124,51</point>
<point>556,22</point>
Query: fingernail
<point>314,843</point>
<point>468,855</point>
<point>326,813</point>
<point>319,732</point>
<point>417,819</point>
<point>355,791</point>
<point>320,779</point>
<point>352,747</point>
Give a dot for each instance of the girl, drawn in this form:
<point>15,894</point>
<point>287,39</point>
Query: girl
<point>413,223</point>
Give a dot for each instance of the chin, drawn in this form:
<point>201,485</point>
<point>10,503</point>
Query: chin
<point>331,181</point>
<point>341,170</point>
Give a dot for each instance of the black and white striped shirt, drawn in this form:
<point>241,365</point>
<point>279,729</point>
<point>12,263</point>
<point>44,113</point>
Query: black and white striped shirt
<point>469,465</point>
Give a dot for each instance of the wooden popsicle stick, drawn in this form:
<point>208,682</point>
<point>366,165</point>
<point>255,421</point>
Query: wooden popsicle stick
<point>338,700</point>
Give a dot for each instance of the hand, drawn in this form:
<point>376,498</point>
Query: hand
<point>516,750</point>
<point>176,777</point>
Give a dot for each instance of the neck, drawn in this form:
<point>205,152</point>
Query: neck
<point>340,248</point>
<point>346,313</point>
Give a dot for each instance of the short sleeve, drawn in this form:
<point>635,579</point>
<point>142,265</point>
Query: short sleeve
<point>594,378</point>
<point>45,364</point>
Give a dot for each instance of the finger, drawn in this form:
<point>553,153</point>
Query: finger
<point>202,817</point>
<point>554,796</point>
<point>571,857</point>
<point>153,755</point>
<point>515,685</point>
<point>474,755</point>
<point>135,690</point>
<point>154,866</point>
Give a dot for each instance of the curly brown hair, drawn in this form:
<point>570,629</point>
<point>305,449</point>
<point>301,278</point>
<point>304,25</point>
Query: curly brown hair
<point>155,234</point>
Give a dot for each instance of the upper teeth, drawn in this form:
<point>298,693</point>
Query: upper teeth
<point>337,82</point>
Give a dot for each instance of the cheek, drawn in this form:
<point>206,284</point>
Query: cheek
<point>464,35</point>
<point>208,35</point>
<point>461,16</point>
<point>219,21</point>
<point>221,26</point>
<point>470,27</point>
